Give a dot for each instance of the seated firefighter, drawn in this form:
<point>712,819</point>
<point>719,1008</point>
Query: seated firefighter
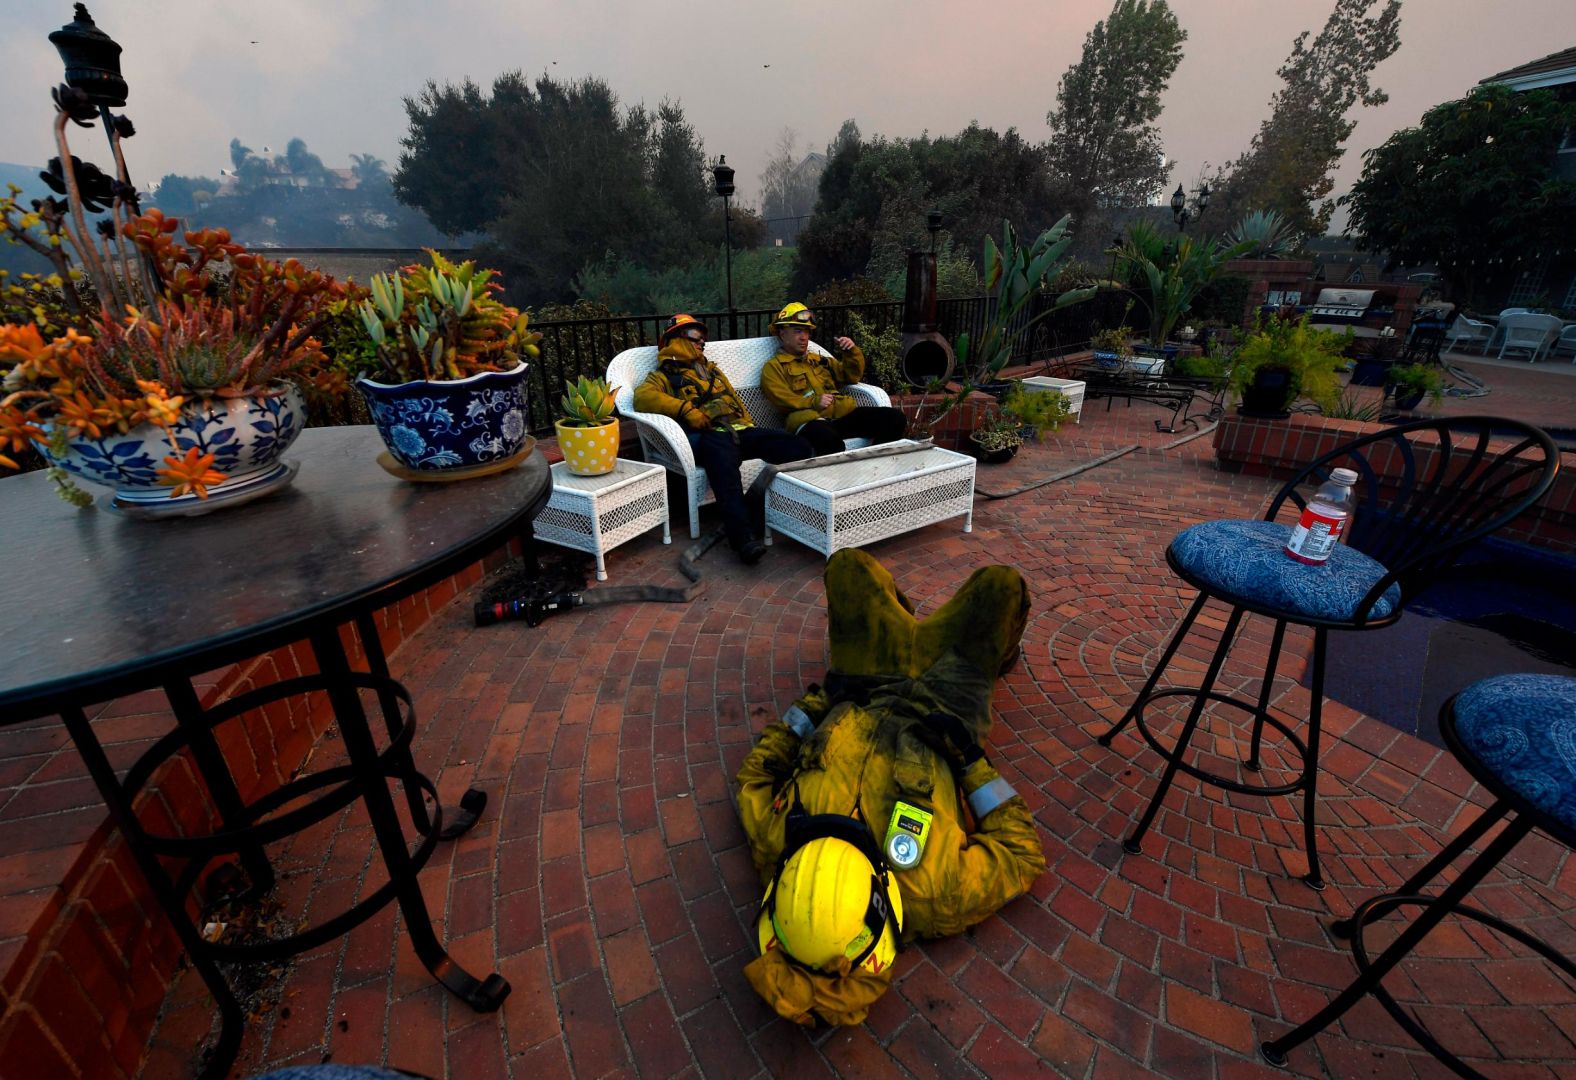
<point>853,801</point>
<point>693,391</point>
<point>807,388</point>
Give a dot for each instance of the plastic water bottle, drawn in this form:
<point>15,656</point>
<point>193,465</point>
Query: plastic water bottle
<point>1324,519</point>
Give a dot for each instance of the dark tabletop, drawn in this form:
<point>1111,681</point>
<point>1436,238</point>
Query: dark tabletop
<point>94,603</point>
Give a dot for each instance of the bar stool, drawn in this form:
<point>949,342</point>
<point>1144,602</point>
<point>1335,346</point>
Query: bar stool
<point>1516,735</point>
<point>1426,490</point>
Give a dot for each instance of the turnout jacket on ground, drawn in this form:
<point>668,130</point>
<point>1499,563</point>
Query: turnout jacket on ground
<point>875,740</point>
<point>794,384</point>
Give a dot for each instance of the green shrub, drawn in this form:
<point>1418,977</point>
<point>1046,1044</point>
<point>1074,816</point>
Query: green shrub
<point>859,290</point>
<point>882,353</point>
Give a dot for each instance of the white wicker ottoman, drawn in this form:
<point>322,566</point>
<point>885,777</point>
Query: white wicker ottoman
<point>1071,389</point>
<point>851,504</point>
<point>595,514</point>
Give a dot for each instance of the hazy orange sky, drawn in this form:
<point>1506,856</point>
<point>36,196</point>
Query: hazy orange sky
<point>334,71</point>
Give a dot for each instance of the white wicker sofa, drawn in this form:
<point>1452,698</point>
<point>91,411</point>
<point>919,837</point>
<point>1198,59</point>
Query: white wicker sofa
<point>663,439</point>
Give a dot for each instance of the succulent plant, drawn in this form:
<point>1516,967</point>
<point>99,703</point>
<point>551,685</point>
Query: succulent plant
<point>588,402</point>
<point>443,322</point>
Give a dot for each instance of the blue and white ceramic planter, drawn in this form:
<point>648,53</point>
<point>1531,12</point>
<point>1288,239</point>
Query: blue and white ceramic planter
<point>246,437</point>
<point>451,423</point>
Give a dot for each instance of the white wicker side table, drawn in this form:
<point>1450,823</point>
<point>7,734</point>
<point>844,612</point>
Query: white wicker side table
<point>850,504</point>
<point>595,514</point>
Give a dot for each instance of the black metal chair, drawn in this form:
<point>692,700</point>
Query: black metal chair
<point>1426,491</point>
<point>1516,735</point>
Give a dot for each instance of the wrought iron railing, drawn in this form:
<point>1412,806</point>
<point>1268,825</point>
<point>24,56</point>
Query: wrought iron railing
<point>575,347</point>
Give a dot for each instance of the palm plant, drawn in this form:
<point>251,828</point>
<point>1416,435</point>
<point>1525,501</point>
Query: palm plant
<point>1270,235</point>
<point>1169,276</point>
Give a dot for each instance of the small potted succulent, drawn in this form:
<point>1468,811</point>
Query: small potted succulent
<point>445,379</point>
<point>1410,383</point>
<point>997,440</point>
<point>1022,416</point>
<point>588,430</point>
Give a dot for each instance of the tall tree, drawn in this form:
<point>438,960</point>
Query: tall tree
<point>1288,167</point>
<point>368,169</point>
<point>239,153</point>
<point>558,175</point>
<point>302,162</point>
<point>1473,182</point>
<point>1104,142</point>
<point>874,195</point>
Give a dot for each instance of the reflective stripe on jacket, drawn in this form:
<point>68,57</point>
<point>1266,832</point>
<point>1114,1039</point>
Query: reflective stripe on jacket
<point>794,384</point>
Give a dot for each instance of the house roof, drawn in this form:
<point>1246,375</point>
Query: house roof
<point>1556,69</point>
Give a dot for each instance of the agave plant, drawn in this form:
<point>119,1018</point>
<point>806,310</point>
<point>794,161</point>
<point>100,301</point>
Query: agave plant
<point>588,402</point>
<point>1270,235</point>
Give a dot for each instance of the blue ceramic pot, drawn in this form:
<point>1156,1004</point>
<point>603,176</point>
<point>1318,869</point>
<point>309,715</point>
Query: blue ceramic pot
<point>246,437</point>
<point>450,423</point>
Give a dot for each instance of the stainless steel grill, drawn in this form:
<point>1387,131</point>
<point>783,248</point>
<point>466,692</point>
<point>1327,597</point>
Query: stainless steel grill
<point>1341,306</point>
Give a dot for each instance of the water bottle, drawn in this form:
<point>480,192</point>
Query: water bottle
<point>1324,519</point>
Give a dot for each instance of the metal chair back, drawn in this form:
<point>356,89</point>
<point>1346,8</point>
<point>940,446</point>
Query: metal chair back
<point>1428,490</point>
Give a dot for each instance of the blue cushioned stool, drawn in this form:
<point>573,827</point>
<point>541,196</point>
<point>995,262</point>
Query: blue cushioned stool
<point>1425,492</point>
<point>1516,735</point>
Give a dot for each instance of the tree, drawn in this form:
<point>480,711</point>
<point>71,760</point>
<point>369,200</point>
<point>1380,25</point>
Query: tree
<point>1474,181</point>
<point>874,196</point>
<point>788,185</point>
<point>1289,164</point>
<point>239,153</point>
<point>558,175</point>
<point>178,195</point>
<point>368,170</point>
<point>1103,139</point>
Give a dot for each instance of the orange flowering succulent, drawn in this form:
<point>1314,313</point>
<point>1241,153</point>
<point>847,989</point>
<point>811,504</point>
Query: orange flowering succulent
<point>192,473</point>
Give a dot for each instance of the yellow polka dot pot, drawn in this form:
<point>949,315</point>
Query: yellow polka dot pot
<point>589,451</point>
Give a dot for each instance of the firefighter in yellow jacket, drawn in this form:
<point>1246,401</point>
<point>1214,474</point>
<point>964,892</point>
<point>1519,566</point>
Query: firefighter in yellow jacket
<point>807,388</point>
<point>854,802</point>
<point>721,432</point>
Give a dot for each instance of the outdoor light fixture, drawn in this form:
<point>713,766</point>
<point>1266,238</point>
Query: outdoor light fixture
<point>1116,245</point>
<point>933,223</point>
<point>722,183</point>
<point>1183,213</point>
<point>92,60</point>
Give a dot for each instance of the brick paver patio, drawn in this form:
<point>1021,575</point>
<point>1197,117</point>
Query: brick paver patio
<point>610,883</point>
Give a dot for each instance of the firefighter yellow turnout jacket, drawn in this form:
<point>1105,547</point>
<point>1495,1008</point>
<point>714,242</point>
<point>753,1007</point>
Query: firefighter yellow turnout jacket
<point>794,384</point>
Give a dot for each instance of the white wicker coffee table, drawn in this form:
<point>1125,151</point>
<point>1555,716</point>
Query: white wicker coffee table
<point>595,514</point>
<point>853,503</point>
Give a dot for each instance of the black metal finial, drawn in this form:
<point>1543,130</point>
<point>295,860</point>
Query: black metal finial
<point>92,60</point>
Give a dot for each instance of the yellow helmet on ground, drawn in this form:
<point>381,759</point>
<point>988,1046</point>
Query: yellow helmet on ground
<point>795,314</point>
<point>829,906</point>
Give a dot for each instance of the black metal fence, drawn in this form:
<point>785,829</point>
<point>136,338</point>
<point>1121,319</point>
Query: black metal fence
<point>576,347</point>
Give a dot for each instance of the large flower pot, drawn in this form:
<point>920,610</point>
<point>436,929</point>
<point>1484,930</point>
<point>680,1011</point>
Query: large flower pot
<point>1407,401</point>
<point>589,451</point>
<point>246,437</point>
<point>1270,393</point>
<point>431,426</point>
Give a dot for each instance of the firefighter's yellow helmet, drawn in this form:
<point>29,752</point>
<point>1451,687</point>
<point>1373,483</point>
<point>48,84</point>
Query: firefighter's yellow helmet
<point>795,314</point>
<point>827,906</point>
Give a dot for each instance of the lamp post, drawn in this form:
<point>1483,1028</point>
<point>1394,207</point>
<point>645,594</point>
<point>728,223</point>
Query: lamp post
<point>1116,246</point>
<point>722,181</point>
<point>1182,212</point>
<point>933,224</point>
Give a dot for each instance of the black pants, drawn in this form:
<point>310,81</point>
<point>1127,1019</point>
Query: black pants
<point>719,454</point>
<point>873,422</point>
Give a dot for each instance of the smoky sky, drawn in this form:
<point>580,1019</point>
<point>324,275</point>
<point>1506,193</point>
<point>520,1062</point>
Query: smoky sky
<point>334,72</point>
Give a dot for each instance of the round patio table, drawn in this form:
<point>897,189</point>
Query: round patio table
<point>96,605</point>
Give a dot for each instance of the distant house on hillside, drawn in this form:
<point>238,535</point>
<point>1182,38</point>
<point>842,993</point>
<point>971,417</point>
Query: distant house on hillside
<point>1551,279</point>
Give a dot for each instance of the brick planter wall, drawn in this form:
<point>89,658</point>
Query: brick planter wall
<point>951,432</point>
<point>85,954</point>
<point>1279,448</point>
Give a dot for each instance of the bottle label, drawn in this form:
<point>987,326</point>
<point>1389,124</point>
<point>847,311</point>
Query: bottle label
<point>1316,535</point>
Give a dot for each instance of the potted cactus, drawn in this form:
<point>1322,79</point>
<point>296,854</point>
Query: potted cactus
<point>445,380</point>
<point>588,431</point>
